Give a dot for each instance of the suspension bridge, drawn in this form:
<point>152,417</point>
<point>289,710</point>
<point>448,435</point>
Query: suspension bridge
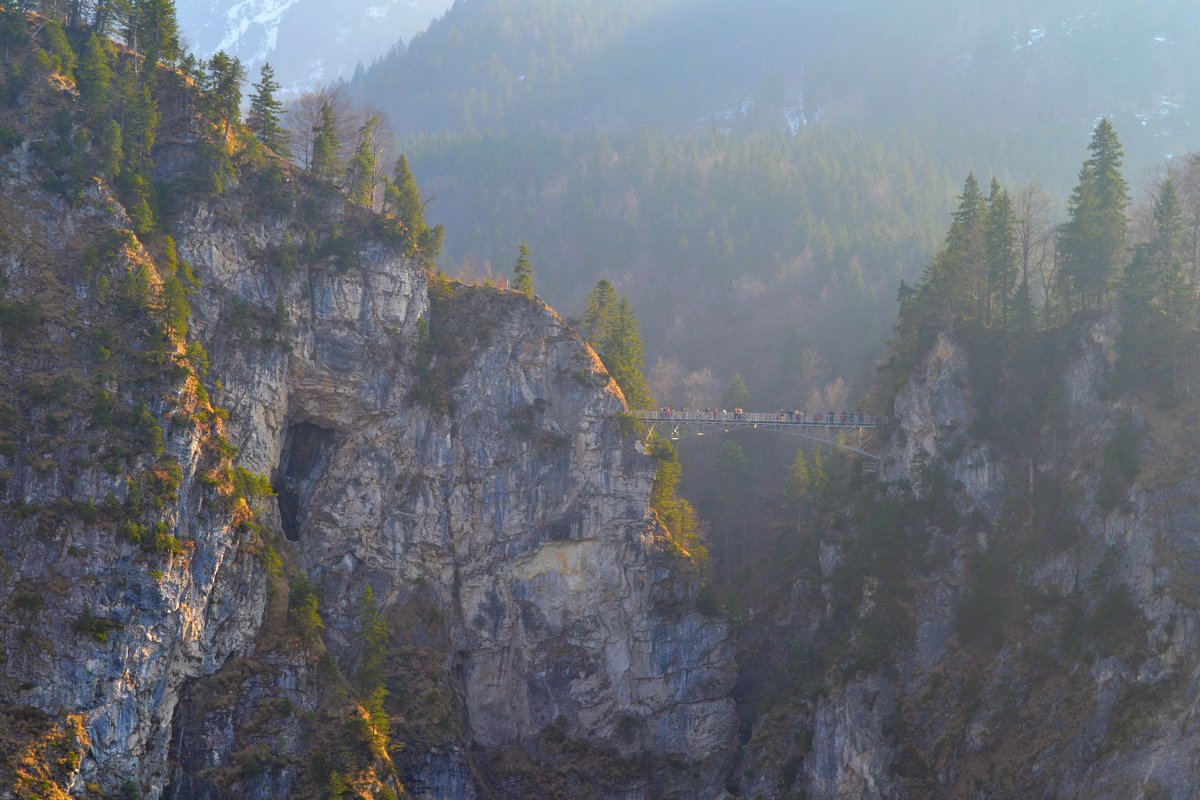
<point>847,430</point>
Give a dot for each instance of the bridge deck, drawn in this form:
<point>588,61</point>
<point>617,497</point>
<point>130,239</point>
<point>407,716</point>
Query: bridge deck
<point>748,419</point>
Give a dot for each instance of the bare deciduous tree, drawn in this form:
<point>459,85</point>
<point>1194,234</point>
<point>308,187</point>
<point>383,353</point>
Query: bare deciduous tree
<point>1186,172</point>
<point>700,389</point>
<point>303,117</point>
<point>1035,242</point>
<point>666,376</point>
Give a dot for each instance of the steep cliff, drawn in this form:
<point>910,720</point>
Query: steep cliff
<point>1013,612</point>
<point>343,527</point>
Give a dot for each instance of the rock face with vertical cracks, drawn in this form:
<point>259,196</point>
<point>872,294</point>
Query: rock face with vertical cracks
<point>456,450</point>
<point>462,453</point>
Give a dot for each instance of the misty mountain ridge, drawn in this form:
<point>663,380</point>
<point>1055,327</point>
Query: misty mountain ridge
<point>1007,88</point>
<point>309,42</point>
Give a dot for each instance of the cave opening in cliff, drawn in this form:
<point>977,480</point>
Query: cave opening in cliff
<point>307,450</point>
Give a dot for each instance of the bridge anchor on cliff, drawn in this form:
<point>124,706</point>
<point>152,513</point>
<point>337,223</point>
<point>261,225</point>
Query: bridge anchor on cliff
<point>829,428</point>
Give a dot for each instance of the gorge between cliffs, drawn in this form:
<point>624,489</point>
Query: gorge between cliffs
<point>286,513</point>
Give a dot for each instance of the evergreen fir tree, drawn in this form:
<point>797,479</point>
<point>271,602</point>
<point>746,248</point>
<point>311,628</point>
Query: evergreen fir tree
<point>360,175</point>
<point>737,395</point>
<point>265,112</point>
<point>325,144</point>
<point>1092,242</point>
<point>429,243</point>
<point>404,198</point>
<point>139,130</point>
<point>1168,229</point>
<point>1142,342</point>
<point>112,151</point>
<point>12,29</point>
<point>964,271</point>
<point>224,89</point>
<point>1000,244</point>
<point>523,271</point>
<point>597,319</point>
<point>675,513</point>
<point>1175,298</point>
<point>611,327</point>
<point>61,55</point>
<point>139,113</point>
<point>152,26</point>
<point>95,76</point>
<point>106,14</point>
<point>623,353</point>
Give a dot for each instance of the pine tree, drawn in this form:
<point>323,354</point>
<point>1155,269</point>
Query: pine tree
<point>1092,241</point>
<point>95,77</point>
<point>623,353</point>
<point>1168,230</point>
<point>1173,296</point>
<point>964,272</point>
<point>611,327</point>
<point>112,152</point>
<point>265,112</point>
<point>139,112</point>
<point>61,55</point>
<point>373,633</point>
<point>12,28</point>
<point>523,271</point>
<point>404,198</point>
<point>223,87</point>
<point>152,26</point>
<point>1142,341</point>
<point>360,175</point>
<point>737,395</point>
<point>597,319</point>
<point>429,243</point>
<point>176,308</point>
<point>1000,245</point>
<point>106,14</point>
<point>325,145</point>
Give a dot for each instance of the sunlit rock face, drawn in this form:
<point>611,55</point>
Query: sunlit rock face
<point>512,509</point>
<point>457,450</point>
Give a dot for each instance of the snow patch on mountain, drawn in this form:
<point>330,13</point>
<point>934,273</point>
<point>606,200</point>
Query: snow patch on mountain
<point>307,41</point>
<point>265,14</point>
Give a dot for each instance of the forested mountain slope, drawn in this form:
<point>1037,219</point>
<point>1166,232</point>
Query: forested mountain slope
<point>772,255</point>
<point>523,119</point>
<point>1006,606</point>
<point>1008,85</point>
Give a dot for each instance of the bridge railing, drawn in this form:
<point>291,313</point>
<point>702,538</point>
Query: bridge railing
<point>824,419</point>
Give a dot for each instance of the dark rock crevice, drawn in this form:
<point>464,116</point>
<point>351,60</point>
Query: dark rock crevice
<point>307,452</point>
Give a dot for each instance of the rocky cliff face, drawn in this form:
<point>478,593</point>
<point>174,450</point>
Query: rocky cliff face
<point>458,589</point>
<point>1040,635</point>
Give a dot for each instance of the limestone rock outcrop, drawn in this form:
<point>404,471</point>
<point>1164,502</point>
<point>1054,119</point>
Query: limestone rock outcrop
<point>456,584</point>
